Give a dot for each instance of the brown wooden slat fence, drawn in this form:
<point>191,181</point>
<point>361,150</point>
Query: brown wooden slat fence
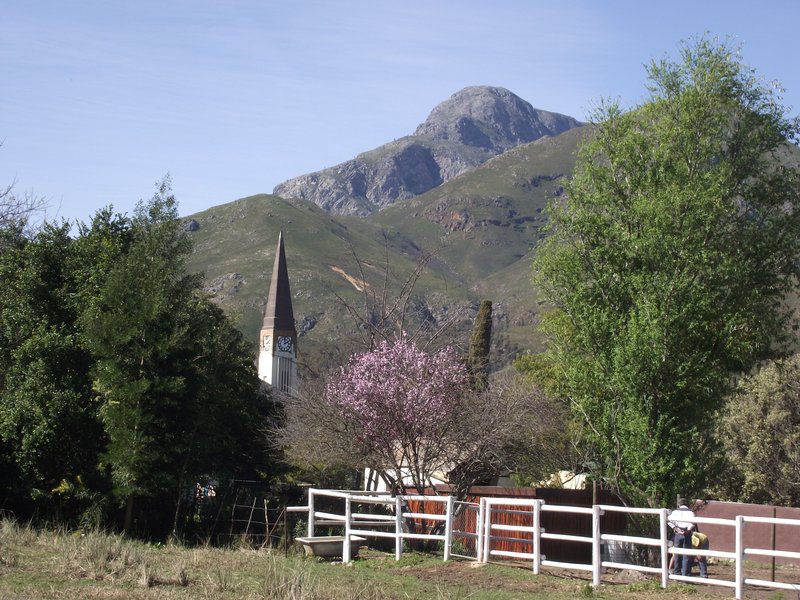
<point>552,522</point>
<point>756,535</point>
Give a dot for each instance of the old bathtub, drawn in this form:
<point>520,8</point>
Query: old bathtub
<point>329,546</point>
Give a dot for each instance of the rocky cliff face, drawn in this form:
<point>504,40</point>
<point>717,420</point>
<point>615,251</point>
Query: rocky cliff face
<point>466,130</point>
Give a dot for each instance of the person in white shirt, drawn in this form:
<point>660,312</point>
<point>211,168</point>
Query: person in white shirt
<point>683,535</point>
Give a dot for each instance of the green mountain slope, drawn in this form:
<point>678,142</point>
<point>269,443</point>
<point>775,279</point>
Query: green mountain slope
<point>484,223</point>
<point>235,249</point>
<point>490,217</point>
<point>488,222</point>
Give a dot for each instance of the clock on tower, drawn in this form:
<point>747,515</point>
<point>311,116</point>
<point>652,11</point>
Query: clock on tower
<point>277,357</point>
<point>284,343</point>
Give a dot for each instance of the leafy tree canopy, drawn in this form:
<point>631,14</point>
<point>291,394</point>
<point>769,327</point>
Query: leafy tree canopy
<point>667,266</point>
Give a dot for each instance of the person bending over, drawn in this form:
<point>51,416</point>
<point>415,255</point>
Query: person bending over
<point>682,531</point>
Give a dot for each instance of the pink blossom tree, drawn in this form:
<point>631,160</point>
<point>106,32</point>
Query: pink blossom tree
<point>401,404</point>
<point>408,415</point>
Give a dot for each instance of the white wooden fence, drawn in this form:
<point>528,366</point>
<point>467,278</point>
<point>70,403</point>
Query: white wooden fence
<point>356,524</point>
<point>372,525</point>
<point>537,533</point>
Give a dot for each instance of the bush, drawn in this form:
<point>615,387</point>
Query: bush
<point>760,431</point>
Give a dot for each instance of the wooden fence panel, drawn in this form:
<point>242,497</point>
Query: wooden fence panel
<point>552,522</point>
<point>756,535</point>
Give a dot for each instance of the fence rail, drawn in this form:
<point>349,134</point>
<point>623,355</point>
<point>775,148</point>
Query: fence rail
<point>486,531</point>
<point>356,524</point>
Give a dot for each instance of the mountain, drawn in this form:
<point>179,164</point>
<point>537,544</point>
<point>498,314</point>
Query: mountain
<point>472,126</point>
<point>487,224</point>
<point>491,118</point>
<point>234,246</point>
<point>482,225</point>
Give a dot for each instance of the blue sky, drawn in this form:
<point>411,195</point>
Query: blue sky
<point>100,99</point>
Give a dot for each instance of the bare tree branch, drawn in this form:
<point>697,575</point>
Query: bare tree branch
<point>509,428</point>
<point>17,209</point>
<point>382,309</point>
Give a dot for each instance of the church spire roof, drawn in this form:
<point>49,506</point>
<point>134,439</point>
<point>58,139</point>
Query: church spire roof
<point>279,314</point>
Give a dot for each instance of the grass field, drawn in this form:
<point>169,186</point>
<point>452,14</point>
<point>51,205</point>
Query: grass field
<point>51,564</point>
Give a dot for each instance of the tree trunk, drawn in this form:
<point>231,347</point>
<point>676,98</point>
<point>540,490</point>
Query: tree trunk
<point>175,518</point>
<point>126,527</point>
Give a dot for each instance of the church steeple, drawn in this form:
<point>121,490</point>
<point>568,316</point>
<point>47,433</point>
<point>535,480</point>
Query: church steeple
<point>277,358</point>
<point>279,313</point>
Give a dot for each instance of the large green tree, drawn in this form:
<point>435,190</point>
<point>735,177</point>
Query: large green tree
<point>180,399</point>
<point>667,266</point>
<point>48,417</point>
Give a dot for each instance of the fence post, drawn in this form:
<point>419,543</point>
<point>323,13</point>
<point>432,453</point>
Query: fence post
<point>596,556</point>
<point>537,536</point>
<point>739,557</point>
<point>398,527</point>
<point>487,531</point>
<point>311,512</point>
<point>285,531</point>
<point>448,527</point>
<point>479,531</point>
<point>772,565</point>
<point>664,537</point>
<point>348,512</point>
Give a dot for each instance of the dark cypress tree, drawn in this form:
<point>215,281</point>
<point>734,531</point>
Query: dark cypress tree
<point>479,344</point>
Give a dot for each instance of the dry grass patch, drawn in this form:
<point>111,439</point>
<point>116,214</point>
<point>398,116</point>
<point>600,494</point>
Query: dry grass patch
<point>98,556</point>
<point>101,566</point>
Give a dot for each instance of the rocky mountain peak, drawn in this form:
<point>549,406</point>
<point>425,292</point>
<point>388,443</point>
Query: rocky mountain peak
<point>493,118</point>
<point>472,126</point>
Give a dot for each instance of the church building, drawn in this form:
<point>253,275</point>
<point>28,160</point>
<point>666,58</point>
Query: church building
<point>277,357</point>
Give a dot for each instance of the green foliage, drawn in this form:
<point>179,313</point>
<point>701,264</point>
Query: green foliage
<point>537,369</point>
<point>115,369</point>
<point>136,329</point>
<point>667,266</point>
<point>760,430</point>
<point>44,384</point>
<point>480,343</point>
<point>179,395</point>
